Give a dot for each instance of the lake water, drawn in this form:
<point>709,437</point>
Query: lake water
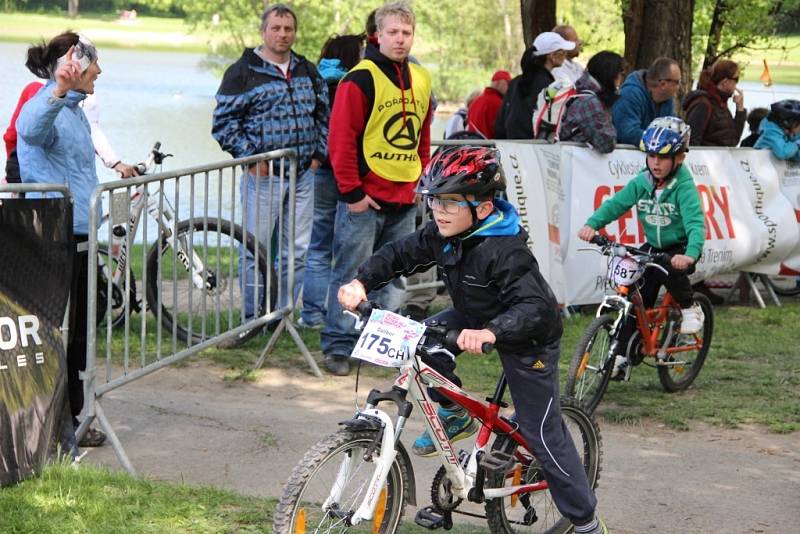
<point>166,96</point>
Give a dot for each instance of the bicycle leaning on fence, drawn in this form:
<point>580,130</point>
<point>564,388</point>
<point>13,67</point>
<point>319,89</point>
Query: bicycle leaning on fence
<point>360,478</point>
<point>677,357</point>
<point>190,270</point>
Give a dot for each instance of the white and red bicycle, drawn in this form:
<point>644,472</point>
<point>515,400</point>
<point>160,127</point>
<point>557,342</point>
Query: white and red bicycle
<point>360,478</point>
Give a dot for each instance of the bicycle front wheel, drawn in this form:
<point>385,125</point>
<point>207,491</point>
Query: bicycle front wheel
<point>197,304</point>
<point>536,512</point>
<point>327,487</point>
<point>590,368</point>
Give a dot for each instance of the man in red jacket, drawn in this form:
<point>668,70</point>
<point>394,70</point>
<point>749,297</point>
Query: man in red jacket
<point>483,110</point>
<point>379,142</point>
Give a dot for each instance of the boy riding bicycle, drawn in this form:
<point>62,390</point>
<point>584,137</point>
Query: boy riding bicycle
<point>499,296</point>
<point>669,208</point>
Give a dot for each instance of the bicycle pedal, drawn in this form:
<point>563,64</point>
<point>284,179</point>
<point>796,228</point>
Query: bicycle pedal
<point>429,518</point>
<point>497,462</point>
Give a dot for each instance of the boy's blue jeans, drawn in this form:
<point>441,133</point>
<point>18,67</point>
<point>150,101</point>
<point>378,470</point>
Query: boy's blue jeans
<point>263,199</point>
<point>356,237</point>
<point>320,250</point>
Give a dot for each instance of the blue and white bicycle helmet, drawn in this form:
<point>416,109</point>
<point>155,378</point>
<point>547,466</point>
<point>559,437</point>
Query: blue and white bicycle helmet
<point>666,136</point>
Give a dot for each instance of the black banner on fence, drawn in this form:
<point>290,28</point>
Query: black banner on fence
<point>36,253</point>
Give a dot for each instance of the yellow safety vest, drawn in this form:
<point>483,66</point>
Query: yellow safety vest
<point>389,143</point>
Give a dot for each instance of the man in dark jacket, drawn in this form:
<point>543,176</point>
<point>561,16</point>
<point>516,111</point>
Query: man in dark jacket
<point>379,144</point>
<point>272,98</point>
<point>645,95</point>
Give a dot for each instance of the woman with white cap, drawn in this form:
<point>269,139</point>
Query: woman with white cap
<point>515,120</point>
<point>54,145</point>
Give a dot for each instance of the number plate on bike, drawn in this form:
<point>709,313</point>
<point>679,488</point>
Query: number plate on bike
<point>624,271</point>
<point>388,339</point>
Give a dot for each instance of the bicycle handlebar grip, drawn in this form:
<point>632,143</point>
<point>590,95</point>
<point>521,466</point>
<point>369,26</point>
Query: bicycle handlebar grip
<point>365,308</point>
<point>599,240</point>
<point>451,341</point>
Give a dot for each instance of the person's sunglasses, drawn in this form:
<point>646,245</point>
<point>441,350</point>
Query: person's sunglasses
<point>448,206</point>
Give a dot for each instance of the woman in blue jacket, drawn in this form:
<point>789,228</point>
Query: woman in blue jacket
<point>54,145</point>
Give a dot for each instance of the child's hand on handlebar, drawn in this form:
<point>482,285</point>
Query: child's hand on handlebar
<point>681,262</point>
<point>473,340</point>
<point>587,232</point>
<point>351,295</point>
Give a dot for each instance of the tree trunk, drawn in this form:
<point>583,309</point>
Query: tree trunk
<point>654,29</point>
<point>72,8</point>
<point>537,16</point>
<point>715,32</point>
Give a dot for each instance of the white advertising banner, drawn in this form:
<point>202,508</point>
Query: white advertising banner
<point>751,203</point>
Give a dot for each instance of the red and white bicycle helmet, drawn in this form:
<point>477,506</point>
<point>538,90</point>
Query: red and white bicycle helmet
<point>463,170</point>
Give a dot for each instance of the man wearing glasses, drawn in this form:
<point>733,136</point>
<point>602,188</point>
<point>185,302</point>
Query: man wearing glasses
<point>645,95</point>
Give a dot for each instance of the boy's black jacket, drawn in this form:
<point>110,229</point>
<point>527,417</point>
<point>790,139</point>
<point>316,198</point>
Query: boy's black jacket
<point>494,279</point>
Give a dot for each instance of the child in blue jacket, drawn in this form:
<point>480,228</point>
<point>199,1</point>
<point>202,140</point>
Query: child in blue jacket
<point>780,130</point>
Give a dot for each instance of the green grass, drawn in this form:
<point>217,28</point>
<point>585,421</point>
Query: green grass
<point>106,31</point>
<point>95,500</point>
<point>751,374</point>
<point>784,66</point>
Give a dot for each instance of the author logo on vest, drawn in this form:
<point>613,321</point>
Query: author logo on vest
<point>14,335</point>
<point>402,135</point>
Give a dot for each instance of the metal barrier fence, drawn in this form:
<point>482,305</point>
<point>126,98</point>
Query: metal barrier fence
<point>185,264</point>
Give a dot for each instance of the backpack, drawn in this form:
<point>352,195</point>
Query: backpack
<point>551,108</point>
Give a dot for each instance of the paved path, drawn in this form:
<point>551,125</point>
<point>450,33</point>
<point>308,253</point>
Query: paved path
<point>188,424</point>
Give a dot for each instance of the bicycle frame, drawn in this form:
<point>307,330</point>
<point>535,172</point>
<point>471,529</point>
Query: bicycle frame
<point>624,300</point>
<point>414,379</point>
<point>160,209</point>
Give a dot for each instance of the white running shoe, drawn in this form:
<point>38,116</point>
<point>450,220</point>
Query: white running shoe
<point>692,319</point>
<point>620,362</point>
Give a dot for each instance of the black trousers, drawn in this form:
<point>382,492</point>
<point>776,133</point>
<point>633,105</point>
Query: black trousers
<point>535,393</point>
<point>76,346</point>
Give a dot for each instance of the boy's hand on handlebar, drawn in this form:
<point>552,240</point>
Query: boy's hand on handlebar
<point>587,232</point>
<point>351,295</point>
<point>473,340</point>
<point>125,170</point>
<point>681,262</point>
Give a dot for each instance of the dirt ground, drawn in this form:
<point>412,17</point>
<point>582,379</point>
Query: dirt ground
<point>188,424</point>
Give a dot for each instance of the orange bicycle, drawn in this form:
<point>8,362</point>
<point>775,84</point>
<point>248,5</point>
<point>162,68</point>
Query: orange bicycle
<point>677,357</point>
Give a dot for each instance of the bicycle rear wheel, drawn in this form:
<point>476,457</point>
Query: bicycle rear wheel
<point>336,465</point>
<point>590,369</point>
<point>106,265</point>
<point>679,377</point>
<point>536,512</point>
<point>785,286</point>
<point>198,313</point>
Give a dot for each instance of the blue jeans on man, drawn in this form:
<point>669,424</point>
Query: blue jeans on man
<point>264,199</point>
<point>356,237</point>
<point>320,250</point>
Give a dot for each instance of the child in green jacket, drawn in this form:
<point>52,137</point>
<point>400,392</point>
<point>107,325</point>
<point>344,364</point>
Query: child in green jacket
<point>669,208</point>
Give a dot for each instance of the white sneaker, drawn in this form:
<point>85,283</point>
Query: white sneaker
<point>692,319</point>
<point>620,362</point>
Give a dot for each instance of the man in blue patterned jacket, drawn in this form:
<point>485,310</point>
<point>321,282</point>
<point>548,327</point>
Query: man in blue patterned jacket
<point>273,98</point>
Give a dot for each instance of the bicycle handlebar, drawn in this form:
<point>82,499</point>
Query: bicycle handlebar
<point>449,337</point>
<point>661,258</point>
<point>155,157</point>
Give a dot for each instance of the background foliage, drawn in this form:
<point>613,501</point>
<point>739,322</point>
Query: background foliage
<point>460,42</point>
